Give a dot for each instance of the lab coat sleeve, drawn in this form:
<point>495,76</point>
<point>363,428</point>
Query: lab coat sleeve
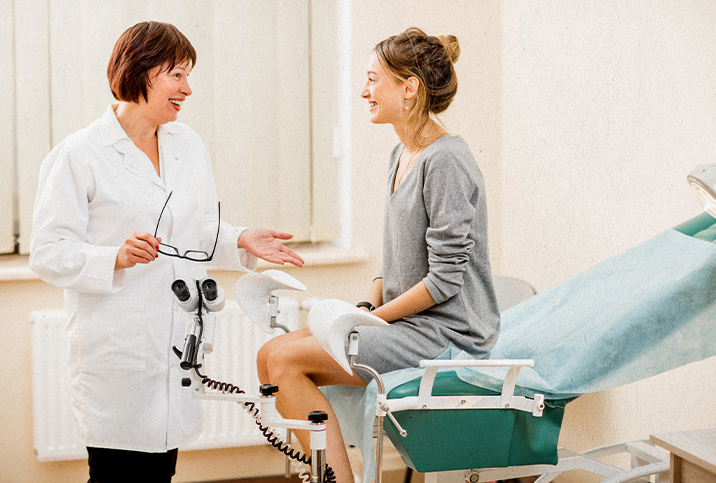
<point>59,252</point>
<point>229,255</point>
<point>450,198</point>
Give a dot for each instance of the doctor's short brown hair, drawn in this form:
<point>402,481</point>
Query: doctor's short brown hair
<point>141,49</point>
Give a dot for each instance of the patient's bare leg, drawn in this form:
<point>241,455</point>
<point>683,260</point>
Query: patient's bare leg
<point>275,344</point>
<point>297,364</point>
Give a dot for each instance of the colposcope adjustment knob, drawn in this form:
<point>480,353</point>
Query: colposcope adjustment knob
<point>268,389</point>
<point>186,381</point>
<point>317,416</point>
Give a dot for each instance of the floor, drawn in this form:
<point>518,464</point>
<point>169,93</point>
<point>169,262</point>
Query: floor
<point>388,477</point>
<point>276,479</point>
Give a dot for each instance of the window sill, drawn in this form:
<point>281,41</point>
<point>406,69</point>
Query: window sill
<point>15,267</point>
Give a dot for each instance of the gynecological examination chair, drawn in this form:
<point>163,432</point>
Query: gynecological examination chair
<point>636,315</point>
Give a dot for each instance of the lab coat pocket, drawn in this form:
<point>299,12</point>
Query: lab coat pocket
<point>112,334</point>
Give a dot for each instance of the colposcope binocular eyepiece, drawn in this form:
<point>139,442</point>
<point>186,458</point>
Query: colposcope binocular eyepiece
<point>198,287</point>
<point>181,290</point>
<point>209,289</point>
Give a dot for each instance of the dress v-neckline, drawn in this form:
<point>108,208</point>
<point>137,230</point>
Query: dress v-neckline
<point>393,188</point>
<point>406,176</point>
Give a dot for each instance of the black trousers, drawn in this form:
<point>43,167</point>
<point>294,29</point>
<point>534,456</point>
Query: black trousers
<point>117,465</point>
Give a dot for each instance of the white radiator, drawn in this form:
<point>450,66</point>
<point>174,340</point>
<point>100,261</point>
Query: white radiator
<point>236,342</point>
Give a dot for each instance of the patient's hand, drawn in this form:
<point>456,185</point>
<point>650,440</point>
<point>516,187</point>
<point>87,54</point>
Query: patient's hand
<point>264,243</point>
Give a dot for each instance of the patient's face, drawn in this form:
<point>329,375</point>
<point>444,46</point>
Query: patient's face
<point>383,93</point>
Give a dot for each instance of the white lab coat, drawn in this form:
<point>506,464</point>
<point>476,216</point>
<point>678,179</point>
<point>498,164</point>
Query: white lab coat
<point>96,188</point>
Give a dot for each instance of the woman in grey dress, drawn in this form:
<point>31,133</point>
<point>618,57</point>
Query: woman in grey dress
<point>435,286</point>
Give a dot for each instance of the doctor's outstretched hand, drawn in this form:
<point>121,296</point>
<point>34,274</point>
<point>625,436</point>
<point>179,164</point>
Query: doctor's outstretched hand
<point>264,243</point>
<point>139,247</point>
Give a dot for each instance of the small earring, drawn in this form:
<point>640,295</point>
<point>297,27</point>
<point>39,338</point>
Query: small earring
<point>406,103</point>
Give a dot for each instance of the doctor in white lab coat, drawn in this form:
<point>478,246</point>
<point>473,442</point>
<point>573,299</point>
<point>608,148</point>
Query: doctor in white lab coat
<point>98,204</point>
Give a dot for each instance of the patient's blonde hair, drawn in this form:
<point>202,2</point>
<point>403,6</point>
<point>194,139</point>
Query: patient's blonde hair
<point>430,59</point>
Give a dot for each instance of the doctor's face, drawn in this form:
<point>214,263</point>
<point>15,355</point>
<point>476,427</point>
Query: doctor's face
<point>167,92</point>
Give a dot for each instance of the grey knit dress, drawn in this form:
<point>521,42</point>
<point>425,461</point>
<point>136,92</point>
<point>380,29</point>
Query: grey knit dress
<point>435,231</point>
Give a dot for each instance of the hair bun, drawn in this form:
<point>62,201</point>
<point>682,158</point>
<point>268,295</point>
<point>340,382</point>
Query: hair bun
<point>451,45</point>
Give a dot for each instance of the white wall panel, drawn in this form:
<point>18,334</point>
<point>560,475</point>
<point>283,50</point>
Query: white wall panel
<point>261,104</point>
<point>293,111</point>
<point>7,126</point>
<point>33,105</point>
<point>328,102</point>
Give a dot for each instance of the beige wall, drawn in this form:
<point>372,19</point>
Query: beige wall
<point>585,118</point>
<point>606,107</point>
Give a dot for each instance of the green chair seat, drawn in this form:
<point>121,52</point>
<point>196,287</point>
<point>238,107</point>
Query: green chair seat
<point>454,439</point>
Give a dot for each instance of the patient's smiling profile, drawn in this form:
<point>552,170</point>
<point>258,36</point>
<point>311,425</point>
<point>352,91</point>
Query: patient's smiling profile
<point>435,286</point>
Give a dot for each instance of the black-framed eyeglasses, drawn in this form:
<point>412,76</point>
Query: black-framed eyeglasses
<point>193,255</point>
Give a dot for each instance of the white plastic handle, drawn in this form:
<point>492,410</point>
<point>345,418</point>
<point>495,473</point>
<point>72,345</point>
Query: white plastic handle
<point>253,291</point>
<point>330,322</point>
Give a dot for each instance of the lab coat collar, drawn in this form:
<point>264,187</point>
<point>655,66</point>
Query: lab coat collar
<point>112,134</point>
<point>168,128</point>
<point>111,131</point>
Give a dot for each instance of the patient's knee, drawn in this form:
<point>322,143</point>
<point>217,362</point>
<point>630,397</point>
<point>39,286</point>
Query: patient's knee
<point>262,355</point>
<point>280,366</point>
<point>272,362</point>
<point>262,363</point>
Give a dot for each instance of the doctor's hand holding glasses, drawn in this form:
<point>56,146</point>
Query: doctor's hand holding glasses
<point>264,243</point>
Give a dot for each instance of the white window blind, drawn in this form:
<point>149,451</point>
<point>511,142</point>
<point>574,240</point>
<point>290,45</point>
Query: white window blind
<point>263,101</point>
<point>7,127</point>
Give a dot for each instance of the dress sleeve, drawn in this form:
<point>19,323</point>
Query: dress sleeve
<point>450,195</point>
<point>59,252</point>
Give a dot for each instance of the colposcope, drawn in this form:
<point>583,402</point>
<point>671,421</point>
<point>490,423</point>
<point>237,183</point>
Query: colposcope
<point>203,297</point>
<point>332,323</point>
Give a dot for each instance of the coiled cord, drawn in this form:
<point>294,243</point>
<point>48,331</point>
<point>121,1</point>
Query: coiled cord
<point>301,470</point>
<point>270,435</point>
<point>329,476</point>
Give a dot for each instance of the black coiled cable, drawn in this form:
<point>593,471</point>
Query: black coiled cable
<point>275,441</point>
<point>329,476</point>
